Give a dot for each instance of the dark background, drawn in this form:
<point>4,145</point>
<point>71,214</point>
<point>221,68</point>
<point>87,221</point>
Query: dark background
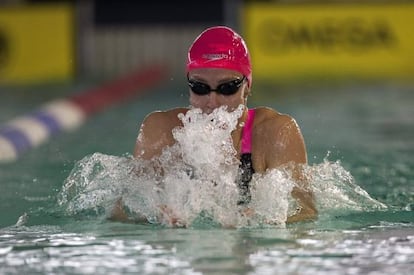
<point>160,12</point>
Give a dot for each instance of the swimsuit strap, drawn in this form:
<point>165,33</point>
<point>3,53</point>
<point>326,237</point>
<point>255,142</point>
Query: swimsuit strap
<point>246,144</point>
<point>246,163</point>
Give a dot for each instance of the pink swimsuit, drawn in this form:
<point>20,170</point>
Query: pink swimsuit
<point>246,144</point>
<point>246,165</point>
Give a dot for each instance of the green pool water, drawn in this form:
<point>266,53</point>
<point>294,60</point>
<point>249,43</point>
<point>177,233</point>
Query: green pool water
<point>368,129</point>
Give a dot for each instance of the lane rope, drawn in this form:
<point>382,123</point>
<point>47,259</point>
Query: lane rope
<point>66,114</point>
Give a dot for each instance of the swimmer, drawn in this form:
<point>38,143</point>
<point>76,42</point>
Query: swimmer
<point>219,74</point>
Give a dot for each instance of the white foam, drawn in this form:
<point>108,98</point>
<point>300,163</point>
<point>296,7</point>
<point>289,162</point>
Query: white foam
<point>335,188</point>
<point>197,182</point>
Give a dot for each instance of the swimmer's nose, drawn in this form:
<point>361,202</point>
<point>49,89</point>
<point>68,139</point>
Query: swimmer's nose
<point>213,101</point>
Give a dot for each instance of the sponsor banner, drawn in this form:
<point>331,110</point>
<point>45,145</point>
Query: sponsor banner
<point>330,41</point>
<point>36,43</point>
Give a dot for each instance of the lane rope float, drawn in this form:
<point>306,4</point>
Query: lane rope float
<point>66,114</point>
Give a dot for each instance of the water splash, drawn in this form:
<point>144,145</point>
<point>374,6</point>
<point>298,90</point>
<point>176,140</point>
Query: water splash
<point>336,189</point>
<point>194,182</point>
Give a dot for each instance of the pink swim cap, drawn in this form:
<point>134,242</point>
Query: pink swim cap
<point>220,47</point>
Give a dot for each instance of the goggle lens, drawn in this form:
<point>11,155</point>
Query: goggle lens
<point>228,88</point>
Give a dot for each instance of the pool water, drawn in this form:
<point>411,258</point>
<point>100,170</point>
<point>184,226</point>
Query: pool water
<point>360,138</point>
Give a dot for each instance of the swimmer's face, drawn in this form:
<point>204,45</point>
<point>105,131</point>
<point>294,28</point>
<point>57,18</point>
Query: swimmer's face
<point>214,78</point>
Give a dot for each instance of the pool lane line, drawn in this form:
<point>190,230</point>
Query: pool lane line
<point>66,114</point>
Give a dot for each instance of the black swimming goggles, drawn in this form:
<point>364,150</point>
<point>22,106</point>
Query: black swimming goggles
<point>228,88</point>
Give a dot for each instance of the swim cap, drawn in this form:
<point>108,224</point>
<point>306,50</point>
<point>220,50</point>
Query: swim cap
<point>220,47</point>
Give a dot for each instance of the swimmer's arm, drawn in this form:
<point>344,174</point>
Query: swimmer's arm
<point>118,213</point>
<point>306,210</point>
<point>166,215</point>
<point>154,135</point>
<point>289,150</point>
<point>144,148</point>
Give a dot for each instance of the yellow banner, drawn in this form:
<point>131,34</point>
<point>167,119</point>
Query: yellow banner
<point>330,41</point>
<point>36,43</point>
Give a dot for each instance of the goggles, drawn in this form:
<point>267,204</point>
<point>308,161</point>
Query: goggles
<point>227,88</point>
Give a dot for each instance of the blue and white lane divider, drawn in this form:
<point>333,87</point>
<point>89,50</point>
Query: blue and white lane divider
<point>29,131</point>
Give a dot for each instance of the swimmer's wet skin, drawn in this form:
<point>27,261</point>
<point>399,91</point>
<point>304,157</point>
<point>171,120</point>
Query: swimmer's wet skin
<point>219,74</point>
<point>211,187</point>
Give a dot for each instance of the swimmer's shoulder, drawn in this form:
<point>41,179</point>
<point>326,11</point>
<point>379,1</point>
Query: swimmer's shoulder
<point>271,118</point>
<point>166,118</point>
